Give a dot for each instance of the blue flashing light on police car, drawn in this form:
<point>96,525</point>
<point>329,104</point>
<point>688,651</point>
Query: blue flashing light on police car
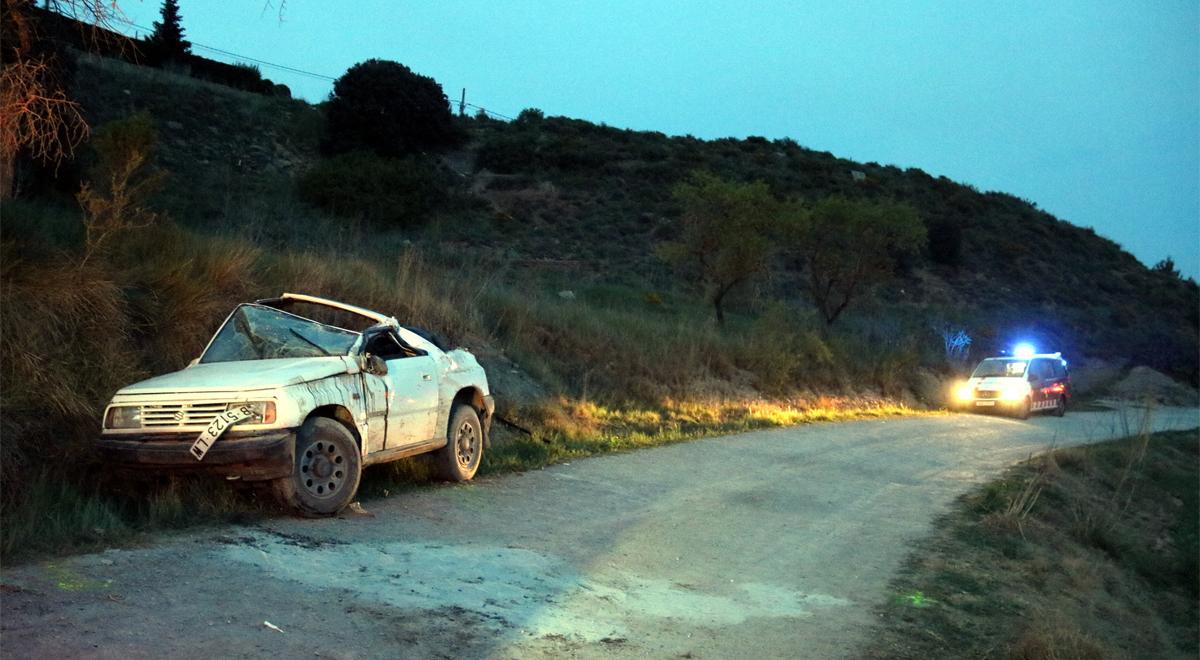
<point>1024,351</point>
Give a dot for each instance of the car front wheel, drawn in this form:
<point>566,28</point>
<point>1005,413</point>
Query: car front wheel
<point>326,472</point>
<point>1023,409</point>
<point>460,458</point>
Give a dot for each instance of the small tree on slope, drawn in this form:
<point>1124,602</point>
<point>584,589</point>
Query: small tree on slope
<point>724,240</point>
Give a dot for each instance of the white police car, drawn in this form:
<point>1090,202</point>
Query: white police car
<point>1018,384</point>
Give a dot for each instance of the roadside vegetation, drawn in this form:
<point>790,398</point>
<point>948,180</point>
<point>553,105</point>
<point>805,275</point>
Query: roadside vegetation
<point>622,288</point>
<point>1088,552</point>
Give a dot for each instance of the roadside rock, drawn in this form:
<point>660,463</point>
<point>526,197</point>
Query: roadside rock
<point>512,386</point>
<point>1143,382</point>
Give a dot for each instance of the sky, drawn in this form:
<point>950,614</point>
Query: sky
<point>1089,109</point>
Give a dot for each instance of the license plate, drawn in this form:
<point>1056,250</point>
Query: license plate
<point>985,403</point>
<point>216,427</point>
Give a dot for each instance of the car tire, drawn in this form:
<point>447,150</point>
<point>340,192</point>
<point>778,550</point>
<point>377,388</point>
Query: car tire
<point>460,458</point>
<point>327,469</point>
<point>1060,408</point>
<point>1023,411</point>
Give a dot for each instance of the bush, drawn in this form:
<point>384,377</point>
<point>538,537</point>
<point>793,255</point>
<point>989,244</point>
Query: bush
<point>945,242</point>
<point>387,191</point>
<point>508,153</point>
<point>382,106</point>
<point>784,352</point>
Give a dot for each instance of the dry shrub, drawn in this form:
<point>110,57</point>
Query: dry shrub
<point>619,355</point>
<point>65,351</point>
<point>783,350</point>
<point>181,287</point>
<point>1056,639</point>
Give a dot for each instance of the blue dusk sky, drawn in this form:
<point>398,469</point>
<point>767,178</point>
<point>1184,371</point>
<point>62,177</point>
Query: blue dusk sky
<point>1090,109</point>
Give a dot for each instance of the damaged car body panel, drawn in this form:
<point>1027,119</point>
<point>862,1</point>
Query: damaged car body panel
<point>305,404</point>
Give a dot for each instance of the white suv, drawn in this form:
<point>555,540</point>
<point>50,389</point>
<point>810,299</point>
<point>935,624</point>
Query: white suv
<point>304,405</point>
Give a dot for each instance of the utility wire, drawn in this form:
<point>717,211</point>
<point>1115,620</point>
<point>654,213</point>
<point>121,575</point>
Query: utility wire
<point>291,69</point>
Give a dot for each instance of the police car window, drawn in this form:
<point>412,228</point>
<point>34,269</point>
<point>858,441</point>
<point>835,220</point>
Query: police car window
<point>999,367</point>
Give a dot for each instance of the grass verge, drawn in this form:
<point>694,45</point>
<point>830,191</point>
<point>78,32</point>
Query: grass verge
<point>1086,552</point>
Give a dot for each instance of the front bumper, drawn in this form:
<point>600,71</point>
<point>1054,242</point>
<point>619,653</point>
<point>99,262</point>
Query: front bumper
<point>249,456</point>
<point>990,405</point>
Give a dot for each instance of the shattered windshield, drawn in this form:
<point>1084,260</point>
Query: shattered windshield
<point>254,332</point>
<point>993,367</point>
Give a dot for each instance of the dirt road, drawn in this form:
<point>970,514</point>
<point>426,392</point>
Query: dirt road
<point>767,544</point>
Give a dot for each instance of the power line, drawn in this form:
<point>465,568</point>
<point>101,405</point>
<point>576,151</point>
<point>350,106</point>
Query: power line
<point>291,69</point>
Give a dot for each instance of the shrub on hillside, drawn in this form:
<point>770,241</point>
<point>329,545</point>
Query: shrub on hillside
<point>398,192</point>
<point>384,107</point>
<point>785,352</point>
<point>508,153</point>
<point>945,242</point>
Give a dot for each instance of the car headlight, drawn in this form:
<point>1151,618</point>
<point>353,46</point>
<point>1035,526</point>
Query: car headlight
<point>1014,391</point>
<point>264,411</point>
<point>123,417</point>
<point>964,392</point>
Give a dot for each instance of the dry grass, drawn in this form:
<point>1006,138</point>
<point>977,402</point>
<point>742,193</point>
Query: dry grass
<point>1089,552</point>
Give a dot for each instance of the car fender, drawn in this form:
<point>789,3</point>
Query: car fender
<point>299,400</point>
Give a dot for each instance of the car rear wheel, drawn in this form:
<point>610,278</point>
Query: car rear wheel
<point>1060,408</point>
<point>326,472</point>
<point>460,458</point>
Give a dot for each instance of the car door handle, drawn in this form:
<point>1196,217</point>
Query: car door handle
<point>426,377</point>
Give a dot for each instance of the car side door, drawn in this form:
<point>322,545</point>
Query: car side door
<point>1039,381</point>
<point>412,390</point>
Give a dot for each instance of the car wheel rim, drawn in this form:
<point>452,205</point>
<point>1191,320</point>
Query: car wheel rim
<point>323,469</point>
<point>466,444</point>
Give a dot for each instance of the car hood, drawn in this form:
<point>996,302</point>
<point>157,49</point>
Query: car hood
<point>243,375</point>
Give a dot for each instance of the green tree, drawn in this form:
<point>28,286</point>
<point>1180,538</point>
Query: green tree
<point>723,242</point>
<point>849,246</point>
<point>166,42</point>
<point>382,106</point>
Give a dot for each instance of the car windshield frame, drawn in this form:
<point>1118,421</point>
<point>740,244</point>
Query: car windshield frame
<point>1002,372</point>
<point>280,335</point>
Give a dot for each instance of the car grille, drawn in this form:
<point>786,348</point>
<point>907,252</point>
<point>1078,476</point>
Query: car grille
<point>166,415</point>
<point>987,394</point>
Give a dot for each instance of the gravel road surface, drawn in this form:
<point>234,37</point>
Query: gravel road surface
<point>768,544</point>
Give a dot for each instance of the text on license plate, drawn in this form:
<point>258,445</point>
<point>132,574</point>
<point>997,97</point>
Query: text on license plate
<point>216,427</point>
<point>985,403</point>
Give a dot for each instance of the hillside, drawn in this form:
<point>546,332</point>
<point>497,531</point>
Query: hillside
<point>572,203</point>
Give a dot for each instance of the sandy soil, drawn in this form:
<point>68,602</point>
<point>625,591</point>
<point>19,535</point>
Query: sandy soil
<point>768,544</point>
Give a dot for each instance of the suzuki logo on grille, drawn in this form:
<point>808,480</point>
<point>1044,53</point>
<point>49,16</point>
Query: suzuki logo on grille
<point>178,415</point>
